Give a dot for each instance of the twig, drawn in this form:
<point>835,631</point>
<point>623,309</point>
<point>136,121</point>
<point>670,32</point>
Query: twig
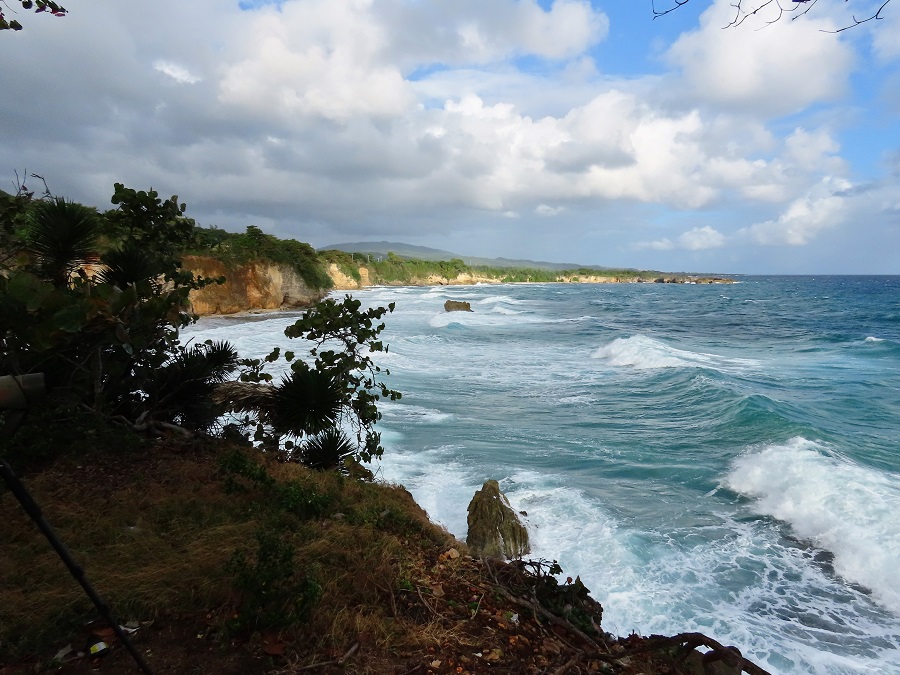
<point>568,664</point>
<point>313,666</point>
<point>425,602</point>
<point>477,607</point>
<point>559,621</point>
<point>350,652</point>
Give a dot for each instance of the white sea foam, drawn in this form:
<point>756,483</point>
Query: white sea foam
<point>408,413</point>
<point>504,310</point>
<point>492,299</point>
<point>727,580</point>
<point>847,509</point>
<point>496,317</point>
<point>642,352</point>
<point>873,339</point>
<point>440,484</point>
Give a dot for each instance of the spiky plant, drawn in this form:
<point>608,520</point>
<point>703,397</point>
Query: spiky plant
<point>181,390</point>
<point>326,450</point>
<point>63,237</point>
<point>306,401</point>
<point>130,264</point>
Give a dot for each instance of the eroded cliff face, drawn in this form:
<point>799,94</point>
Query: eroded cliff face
<point>253,286</point>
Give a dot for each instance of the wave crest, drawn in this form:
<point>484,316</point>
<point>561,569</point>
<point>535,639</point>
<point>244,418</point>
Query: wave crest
<point>642,352</point>
<point>843,507</point>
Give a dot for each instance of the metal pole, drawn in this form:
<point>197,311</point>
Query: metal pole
<point>34,512</point>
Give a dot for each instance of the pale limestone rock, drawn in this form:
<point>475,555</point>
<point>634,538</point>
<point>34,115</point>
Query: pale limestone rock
<point>495,530</point>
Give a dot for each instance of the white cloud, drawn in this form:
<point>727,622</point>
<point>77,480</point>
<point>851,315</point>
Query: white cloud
<point>697,239</point>
<point>545,210</point>
<point>464,32</point>
<point>781,68</point>
<point>663,244</point>
<point>367,115</point>
<point>701,238</point>
<point>320,59</point>
<point>813,151</point>
<point>804,218</point>
<point>178,73</point>
<point>884,35</point>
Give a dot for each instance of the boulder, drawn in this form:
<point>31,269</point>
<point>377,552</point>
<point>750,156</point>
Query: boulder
<point>495,530</point>
<point>457,306</point>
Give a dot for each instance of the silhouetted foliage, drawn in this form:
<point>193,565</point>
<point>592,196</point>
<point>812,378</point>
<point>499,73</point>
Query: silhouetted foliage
<point>39,6</point>
<point>104,330</point>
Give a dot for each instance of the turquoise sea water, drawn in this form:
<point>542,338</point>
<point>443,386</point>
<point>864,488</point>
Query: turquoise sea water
<point>721,458</point>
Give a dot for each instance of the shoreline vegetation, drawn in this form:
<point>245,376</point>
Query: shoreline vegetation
<point>263,273</point>
<point>215,556</point>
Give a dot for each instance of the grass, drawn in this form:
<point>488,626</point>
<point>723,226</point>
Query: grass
<point>155,533</point>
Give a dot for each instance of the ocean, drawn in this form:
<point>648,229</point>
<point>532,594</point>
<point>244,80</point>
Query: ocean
<point>713,458</point>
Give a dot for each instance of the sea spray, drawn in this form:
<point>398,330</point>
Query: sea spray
<point>846,509</point>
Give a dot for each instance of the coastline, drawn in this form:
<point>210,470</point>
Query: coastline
<point>260,287</point>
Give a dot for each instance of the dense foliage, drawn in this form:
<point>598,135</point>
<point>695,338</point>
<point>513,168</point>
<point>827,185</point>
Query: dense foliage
<point>255,245</point>
<point>95,302</point>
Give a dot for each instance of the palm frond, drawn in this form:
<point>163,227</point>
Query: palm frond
<point>182,390</point>
<point>62,236</point>
<point>306,402</point>
<point>326,450</point>
<point>128,265</point>
<point>246,397</point>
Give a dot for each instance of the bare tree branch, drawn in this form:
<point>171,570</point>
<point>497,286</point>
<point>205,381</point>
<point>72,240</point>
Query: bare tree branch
<point>856,22</point>
<point>797,8</point>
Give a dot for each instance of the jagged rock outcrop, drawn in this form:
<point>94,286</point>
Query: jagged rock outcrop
<point>457,306</point>
<point>252,286</point>
<point>495,530</point>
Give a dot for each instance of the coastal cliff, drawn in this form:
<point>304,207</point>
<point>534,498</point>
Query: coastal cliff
<point>250,286</point>
<point>264,285</point>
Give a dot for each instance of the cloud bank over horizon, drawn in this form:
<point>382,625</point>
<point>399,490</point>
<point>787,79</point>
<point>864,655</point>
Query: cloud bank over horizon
<point>566,130</point>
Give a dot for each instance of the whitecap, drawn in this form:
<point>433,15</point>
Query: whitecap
<point>492,299</point>
<point>851,510</point>
<point>642,352</point>
<point>873,339</point>
<point>408,413</point>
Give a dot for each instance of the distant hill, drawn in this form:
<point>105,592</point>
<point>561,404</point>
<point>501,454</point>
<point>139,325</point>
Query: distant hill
<point>382,248</point>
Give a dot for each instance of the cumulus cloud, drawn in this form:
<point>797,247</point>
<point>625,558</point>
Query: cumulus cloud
<point>356,115</point>
<point>697,239</point>
<point>463,32</point>
<point>780,69</point>
<point>663,244</point>
<point>804,218</point>
<point>320,58</point>
<point>701,238</point>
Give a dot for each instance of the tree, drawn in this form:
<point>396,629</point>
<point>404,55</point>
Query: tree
<point>39,6</point>
<point>779,9</point>
<point>103,326</point>
<point>107,342</point>
<point>336,388</point>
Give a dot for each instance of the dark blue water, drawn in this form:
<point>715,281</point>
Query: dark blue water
<point>721,458</point>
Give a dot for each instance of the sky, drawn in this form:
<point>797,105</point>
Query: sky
<point>556,130</point>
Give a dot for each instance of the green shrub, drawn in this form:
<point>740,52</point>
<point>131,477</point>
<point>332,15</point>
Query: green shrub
<point>275,594</point>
